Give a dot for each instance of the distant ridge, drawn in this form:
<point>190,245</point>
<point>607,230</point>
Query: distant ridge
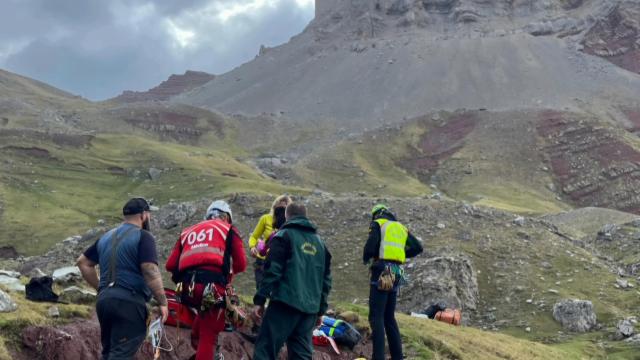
<point>174,85</point>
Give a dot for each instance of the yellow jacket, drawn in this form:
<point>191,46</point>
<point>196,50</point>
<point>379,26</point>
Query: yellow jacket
<point>262,231</point>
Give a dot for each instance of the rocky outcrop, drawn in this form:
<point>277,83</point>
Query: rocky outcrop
<point>77,295</point>
<point>66,275</point>
<point>616,37</point>
<point>592,163</point>
<point>6,303</point>
<point>625,328</point>
<point>11,282</point>
<point>176,84</point>
<point>451,280</point>
<point>154,173</point>
<point>575,315</point>
<point>174,214</point>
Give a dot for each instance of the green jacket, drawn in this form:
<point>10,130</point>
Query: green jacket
<point>298,269</point>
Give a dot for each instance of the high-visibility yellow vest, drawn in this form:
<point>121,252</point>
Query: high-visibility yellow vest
<point>393,238</point>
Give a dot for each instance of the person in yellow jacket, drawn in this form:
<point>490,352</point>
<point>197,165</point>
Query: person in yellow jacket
<point>260,236</point>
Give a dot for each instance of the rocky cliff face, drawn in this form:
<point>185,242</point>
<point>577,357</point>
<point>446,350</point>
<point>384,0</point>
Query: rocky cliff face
<point>616,37</point>
<point>369,18</point>
<point>374,61</point>
<point>175,85</point>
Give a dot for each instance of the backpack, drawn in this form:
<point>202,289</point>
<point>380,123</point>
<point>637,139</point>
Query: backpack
<point>433,309</point>
<point>41,289</point>
<point>343,332</point>
<point>449,316</point>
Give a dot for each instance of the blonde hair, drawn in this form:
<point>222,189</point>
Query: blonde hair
<point>280,199</point>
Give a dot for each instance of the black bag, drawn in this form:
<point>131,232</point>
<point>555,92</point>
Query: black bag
<point>433,309</point>
<point>41,289</point>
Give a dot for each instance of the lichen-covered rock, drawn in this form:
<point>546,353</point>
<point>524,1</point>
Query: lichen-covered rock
<point>11,283</point>
<point>76,295</point>
<point>6,303</point>
<point>67,274</point>
<point>624,329</point>
<point>575,315</point>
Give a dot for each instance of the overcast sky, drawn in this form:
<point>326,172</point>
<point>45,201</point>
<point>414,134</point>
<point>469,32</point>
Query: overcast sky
<point>98,48</point>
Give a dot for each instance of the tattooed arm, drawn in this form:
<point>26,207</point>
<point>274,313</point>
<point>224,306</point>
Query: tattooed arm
<point>153,278</point>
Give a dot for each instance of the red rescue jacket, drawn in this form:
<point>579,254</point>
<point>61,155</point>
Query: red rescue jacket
<point>203,245</point>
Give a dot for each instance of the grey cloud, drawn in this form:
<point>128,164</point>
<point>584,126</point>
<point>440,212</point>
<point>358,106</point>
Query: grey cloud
<point>97,50</point>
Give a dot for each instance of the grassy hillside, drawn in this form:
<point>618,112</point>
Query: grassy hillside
<point>428,339</point>
<point>371,164</point>
<point>51,191</point>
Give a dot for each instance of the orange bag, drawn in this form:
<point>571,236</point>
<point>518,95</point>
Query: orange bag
<point>449,316</point>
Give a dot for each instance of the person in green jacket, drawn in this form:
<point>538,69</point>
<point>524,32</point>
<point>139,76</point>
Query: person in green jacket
<point>297,280</point>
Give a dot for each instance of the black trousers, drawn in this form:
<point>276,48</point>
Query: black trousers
<point>258,272</point>
<point>123,327</point>
<point>282,323</point>
<point>382,308</point>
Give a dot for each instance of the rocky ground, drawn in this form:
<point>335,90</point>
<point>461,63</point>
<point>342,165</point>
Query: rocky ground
<point>503,270</point>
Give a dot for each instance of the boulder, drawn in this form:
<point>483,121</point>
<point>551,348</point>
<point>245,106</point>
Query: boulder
<point>77,295</point>
<point>623,284</point>
<point>154,174</point>
<point>9,273</point>
<point>451,280</point>
<point>11,283</point>
<point>519,221</point>
<point>67,274</point>
<point>174,214</point>
<point>54,312</point>
<point>575,315</point>
<point>624,329</point>
<point>607,232</point>
<point>6,304</point>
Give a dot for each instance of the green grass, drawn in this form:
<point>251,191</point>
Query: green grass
<point>47,200</point>
<point>31,313</point>
<point>507,196</point>
<point>429,339</point>
<point>371,166</point>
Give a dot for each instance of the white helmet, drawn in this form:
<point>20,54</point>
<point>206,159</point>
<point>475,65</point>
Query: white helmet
<point>218,206</point>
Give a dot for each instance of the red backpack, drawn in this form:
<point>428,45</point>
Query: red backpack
<point>178,313</point>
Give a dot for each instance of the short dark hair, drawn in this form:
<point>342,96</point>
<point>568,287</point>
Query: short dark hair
<point>295,209</point>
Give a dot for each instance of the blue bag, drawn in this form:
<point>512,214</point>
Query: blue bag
<point>341,331</point>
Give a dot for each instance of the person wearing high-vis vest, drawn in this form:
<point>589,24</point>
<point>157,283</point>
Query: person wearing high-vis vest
<point>389,245</point>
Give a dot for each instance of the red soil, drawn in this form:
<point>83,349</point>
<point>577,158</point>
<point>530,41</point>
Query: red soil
<point>441,142</point>
<point>593,164</point>
<point>81,340</point>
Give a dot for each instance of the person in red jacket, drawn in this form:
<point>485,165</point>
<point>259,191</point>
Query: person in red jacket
<point>202,263</point>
